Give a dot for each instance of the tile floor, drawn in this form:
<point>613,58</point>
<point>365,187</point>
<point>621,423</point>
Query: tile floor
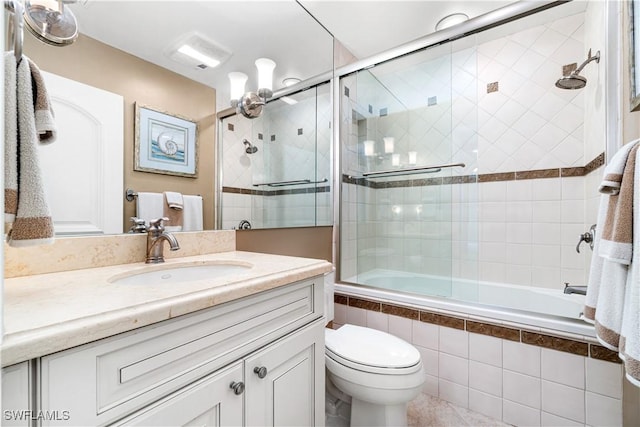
<point>425,411</point>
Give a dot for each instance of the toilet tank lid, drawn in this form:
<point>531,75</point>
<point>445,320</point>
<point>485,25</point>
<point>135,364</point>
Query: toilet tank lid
<point>370,347</point>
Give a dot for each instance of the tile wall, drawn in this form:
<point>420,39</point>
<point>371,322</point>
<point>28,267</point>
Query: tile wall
<point>505,119</point>
<point>294,143</point>
<point>519,376</point>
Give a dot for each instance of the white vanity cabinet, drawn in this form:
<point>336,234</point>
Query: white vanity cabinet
<point>16,395</point>
<point>202,368</point>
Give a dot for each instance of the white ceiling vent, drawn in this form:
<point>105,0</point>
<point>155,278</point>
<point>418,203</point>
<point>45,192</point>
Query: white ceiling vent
<point>197,52</point>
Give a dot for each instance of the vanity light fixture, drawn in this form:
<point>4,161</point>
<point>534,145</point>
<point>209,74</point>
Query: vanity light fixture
<point>250,104</point>
<point>451,20</point>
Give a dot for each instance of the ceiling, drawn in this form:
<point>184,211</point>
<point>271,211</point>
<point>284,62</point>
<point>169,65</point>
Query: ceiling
<point>284,30</point>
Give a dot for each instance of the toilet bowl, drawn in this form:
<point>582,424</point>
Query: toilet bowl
<point>378,371</point>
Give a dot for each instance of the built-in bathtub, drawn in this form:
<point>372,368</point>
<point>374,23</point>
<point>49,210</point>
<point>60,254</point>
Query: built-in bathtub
<point>525,306</point>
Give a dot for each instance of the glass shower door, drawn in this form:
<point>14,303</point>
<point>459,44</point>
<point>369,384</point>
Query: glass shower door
<point>400,172</point>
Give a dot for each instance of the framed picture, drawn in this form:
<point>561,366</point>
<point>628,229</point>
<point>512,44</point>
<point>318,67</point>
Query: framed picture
<point>634,53</point>
<point>165,143</point>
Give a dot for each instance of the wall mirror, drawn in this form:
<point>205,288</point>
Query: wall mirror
<point>276,169</point>
<point>128,50</point>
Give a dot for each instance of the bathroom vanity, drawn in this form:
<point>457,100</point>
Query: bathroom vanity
<point>242,349</point>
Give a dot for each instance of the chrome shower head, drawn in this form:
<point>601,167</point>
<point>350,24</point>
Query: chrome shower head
<point>575,80</point>
<point>251,149</point>
<point>572,81</point>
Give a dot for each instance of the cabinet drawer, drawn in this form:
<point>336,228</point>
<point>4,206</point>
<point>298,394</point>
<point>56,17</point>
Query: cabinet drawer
<point>103,381</point>
<point>208,402</point>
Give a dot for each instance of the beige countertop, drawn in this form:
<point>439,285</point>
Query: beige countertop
<point>46,313</point>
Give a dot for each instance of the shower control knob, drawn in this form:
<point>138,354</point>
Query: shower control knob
<point>237,387</point>
<point>260,371</point>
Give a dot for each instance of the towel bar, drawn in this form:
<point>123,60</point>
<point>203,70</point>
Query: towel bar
<point>130,195</point>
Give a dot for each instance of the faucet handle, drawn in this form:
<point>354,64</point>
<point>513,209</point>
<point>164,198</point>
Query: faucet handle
<point>157,223</point>
<point>139,225</point>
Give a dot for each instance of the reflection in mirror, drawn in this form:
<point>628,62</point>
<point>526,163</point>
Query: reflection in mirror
<point>277,168</point>
<point>124,51</point>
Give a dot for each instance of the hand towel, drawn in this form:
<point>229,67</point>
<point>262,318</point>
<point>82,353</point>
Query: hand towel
<point>173,213</point>
<point>32,224</point>
<point>613,295</point>
<point>174,200</point>
<point>10,139</point>
<point>612,178</point>
<point>149,206</point>
<point>192,216</point>
<point>45,122</point>
<point>617,229</point>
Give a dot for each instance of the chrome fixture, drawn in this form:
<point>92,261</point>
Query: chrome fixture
<point>155,236</point>
<point>294,182</point>
<point>580,290</point>
<point>139,225</point>
<point>250,104</point>
<point>251,149</point>
<point>588,237</point>
<point>451,20</point>
<point>16,27</point>
<point>50,22</point>
<point>575,80</point>
<point>244,225</point>
<point>409,171</point>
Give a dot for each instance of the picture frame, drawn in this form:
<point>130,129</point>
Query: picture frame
<point>165,143</point>
<point>634,54</point>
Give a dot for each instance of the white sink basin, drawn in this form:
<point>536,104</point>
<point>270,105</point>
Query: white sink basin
<point>175,274</point>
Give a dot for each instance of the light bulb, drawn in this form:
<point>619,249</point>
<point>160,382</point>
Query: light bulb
<point>265,76</point>
<point>413,157</point>
<point>237,81</point>
<point>388,144</point>
<point>368,148</point>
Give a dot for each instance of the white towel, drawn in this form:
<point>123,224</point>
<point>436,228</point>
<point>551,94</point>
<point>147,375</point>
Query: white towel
<point>613,295</point>
<point>32,224</point>
<point>174,200</point>
<point>616,232</point>
<point>173,211</point>
<point>149,206</point>
<point>45,122</point>
<point>192,217</point>
<point>10,139</point>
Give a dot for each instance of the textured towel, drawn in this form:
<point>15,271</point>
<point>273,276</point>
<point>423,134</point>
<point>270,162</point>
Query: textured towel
<point>10,139</point>
<point>617,229</point>
<point>32,224</point>
<point>613,295</point>
<point>45,122</point>
<point>149,206</point>
<point>192,219</point>
<point>174,200</point>
<point>174,214</point>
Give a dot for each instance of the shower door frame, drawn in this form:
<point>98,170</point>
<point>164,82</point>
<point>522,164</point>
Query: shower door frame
<point>478,24</point>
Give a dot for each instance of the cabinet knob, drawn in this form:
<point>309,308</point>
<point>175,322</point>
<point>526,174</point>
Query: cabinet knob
<point>237,387</point>
<point>261,371</point>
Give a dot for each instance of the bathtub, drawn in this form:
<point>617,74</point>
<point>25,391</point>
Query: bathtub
<point>524,306</point>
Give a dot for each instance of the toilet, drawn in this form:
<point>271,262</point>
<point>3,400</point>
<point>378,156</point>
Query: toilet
<point>378,372</point>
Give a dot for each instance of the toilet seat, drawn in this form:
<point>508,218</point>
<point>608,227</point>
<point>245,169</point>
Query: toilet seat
<point>369,350</point>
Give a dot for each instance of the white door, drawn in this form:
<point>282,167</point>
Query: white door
<point>15,395</point>
<point>83,169</point>
<point>207,402</point>
<point>285,381</point>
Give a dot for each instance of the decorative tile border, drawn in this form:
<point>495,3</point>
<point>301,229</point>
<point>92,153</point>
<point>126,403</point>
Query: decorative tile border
<point>487,177</point>
<point>581,348</point>
<point>310,190</point>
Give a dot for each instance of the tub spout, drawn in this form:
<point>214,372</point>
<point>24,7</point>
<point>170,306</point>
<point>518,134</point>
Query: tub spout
<point>581,290</point>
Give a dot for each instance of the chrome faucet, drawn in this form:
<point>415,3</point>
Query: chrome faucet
<point>155,237</point>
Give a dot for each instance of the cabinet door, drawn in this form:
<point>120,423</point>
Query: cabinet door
<point>16,391</point>
<point>210,401</point>
<point>285,381</point>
